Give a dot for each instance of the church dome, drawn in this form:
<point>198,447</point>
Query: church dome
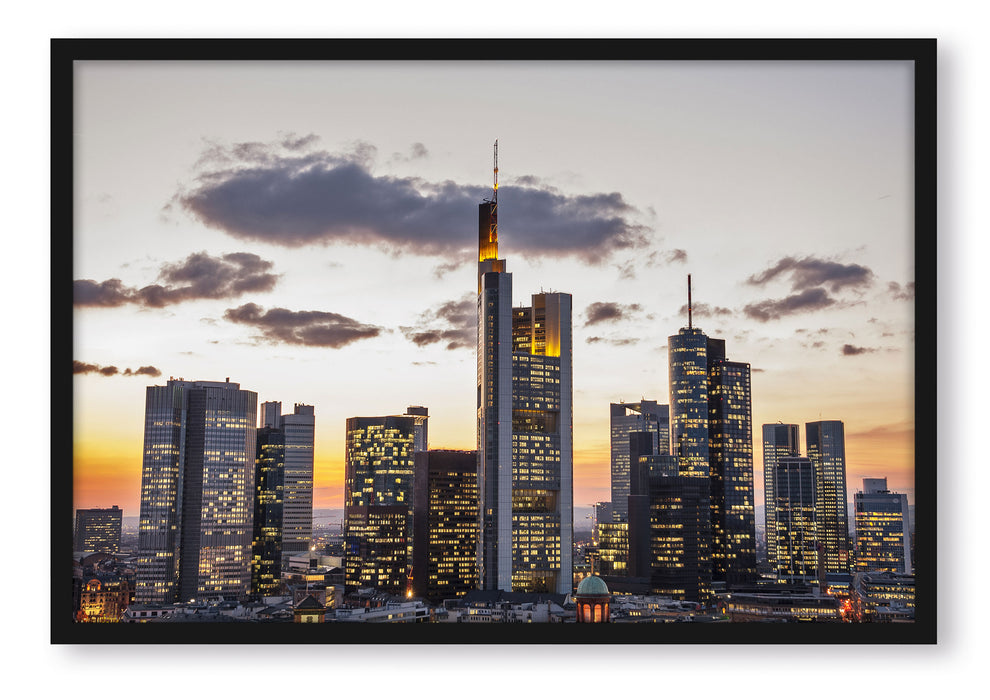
<point>592,586</point>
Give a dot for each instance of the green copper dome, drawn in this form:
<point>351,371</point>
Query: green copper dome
<point>592,585</point>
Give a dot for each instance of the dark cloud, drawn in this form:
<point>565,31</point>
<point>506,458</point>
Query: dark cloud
<point>659,258</point>
<point>612,341</point>
<point>848,349</point>
<point>453,323</point>
<point>110,370</point>
<point>258,192</point>
<point>311,328</point>
<point>200,276</point>
<point>905,293</point>
<point>602,311</point>
<point>443,269</point>
<point>809,272</point>
<point>809,300</point>
<point>705,311</point>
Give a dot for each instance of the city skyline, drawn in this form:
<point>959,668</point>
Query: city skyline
<point>320,252</point>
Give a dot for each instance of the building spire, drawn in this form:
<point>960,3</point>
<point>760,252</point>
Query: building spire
<point>495,189</point>
<point>488,221</point>
<point>689,302</point>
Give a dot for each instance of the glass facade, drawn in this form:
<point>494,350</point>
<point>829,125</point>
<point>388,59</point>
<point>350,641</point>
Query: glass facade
<point>377,547</point>
<point>98,530</point>
<point>269,482</point>
<point>299,428</point>
<point>795,527</point>
<point>779,440</point>
<point>197,492</point>
<point>626,418</point>
<point>688,372</point>
<point>883,530</point>
<point>826,448</point>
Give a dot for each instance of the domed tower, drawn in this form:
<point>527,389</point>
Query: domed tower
<point>592,599</point>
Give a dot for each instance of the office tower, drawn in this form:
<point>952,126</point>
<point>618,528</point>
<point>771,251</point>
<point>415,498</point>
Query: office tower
<point>680,532</point>
<point>269,481</point>
<point>197,487</point>
<point>376,547</point>
<point>826,448</point>
<point>642,447</point>
<point>795,532</point>
<point>779,440</point>
<point>613,549</point>
<point>525,428</point>
<point>883,529</point>
<point>730,454</point>
<point>626,418</point>
<point>711,437</point>
<point>98,530</point>
<point>421,417</point>
<point>379,470</point>
<point>299,429</point>
<point>445,524</point>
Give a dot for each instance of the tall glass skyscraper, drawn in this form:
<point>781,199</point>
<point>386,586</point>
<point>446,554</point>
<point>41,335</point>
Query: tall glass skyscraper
<point>525,429</point>
<point>779,440</point>
<point>626,418</point>
<point>299,432</point>
<point>826,448</point>
<point>796,530</point>
<point>269,489</point>
<point>197,489</point>
<point>688,382</point>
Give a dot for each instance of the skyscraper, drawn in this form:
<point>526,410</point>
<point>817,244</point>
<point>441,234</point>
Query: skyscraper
<point>197,487</point>
<point>378,484</point>
<point>98,530</point>
<point>626,418</point>
<point>445,524</point>
<point>269,489</point>
<point>779,440</point>
<point>826,448</point>
<point>525,428</point>
<point>796,531</point>
<point>883,529</point>
<point>730,454</point>
<point>299,429</point>
<point>711,438</point>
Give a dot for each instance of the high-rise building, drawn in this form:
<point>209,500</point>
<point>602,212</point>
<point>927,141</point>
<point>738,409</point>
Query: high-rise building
<point>445,524</point>
<point>603,514</point>
<point>779,440</point>
<point>730,454</point>
<point>711,437</point>
<point>98,530</point>
<point>795,533</point>
<point>299,429</point>
<point>379,470</point>
<point>826,448</point>
<point>269,483</point>
<point>883,529</point>
<point>525,428</point>
<point>625,418</point>
<point>197,488</point>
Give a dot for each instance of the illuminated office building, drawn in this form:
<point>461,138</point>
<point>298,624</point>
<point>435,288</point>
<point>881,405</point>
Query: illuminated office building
<point>795,533</point>
<point>445,524</point>
<point>730,454</point>
<point>376,547</point>
<point>379,469</point>
<point>525,429</point>
<point>613,549</point>
<point>625,418</point>
<point>711,438</point>
<point>98,530</point>
<point>826,448</point>
<point>269,481</point>
<point>779,440</point>
<point>197,489</point>
<point>603,514</point>
<point>299,433</point>
<point>883,529</point>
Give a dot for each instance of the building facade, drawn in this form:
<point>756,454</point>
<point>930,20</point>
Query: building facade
<point>269,489</point>
<point>626,418</point>
<point>445,524</point>
<point>883,529</point>
<point>826,448</point>
<point>779,440</point>
<point>98,530</point>
<point>795,533</point>
<point>197,492</point>
<point>525,429</point>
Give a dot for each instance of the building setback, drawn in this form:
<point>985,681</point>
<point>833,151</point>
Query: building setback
<point>98,530</point>
<point>197,487</point>
<point>525,429</point>
<point>826,448</point>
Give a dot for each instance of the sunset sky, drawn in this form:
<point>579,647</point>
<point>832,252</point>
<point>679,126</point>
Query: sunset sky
<point>309,230</point>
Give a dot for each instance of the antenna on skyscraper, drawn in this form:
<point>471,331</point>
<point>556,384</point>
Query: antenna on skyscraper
<point>689,302</point>
<point>495,196</point>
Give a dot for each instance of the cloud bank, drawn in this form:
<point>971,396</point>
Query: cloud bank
<point>110,370</point>
<point>321,329</point>
<point>453,323</point>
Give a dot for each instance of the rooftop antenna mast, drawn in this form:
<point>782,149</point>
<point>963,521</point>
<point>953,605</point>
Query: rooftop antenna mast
<point>689,302</point>
<point>495,196</point>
